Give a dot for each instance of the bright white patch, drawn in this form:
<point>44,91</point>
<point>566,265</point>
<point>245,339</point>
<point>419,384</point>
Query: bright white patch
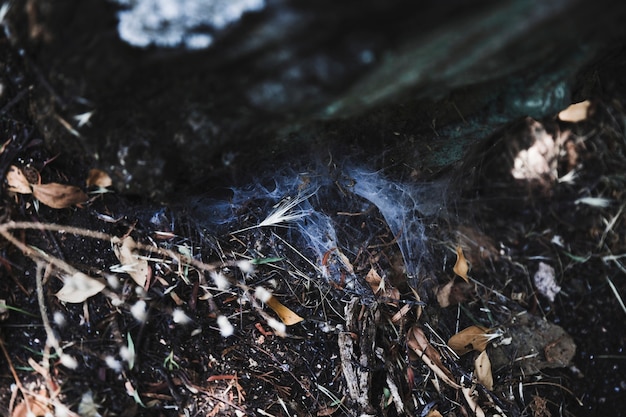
<point>171,23</point>
<point>262,294</point>
<point>87,406</point>
<point>113,281</point>
<point>545,281</point>
<point>279,327</point>
<point>245,266</point>
<point>220,280</point>
<point>538,162</point>
<point>179,316</point>
<point>59,318</point>
<point>127,354</point>
<point>594,201</point>
<point>226,329</point>
<point>113,363</point>
<point>68,361</point>
<point>139,311</point>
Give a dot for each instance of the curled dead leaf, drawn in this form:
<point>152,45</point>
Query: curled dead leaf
<point>470,338</point>
<point>58,196</point>
<point>482,370</point>
<point>461,267</point>
<point>98,178</point>
<point>287,316</point>
<point>17,181</point>
<point>126,252</point>
<point>79,287</point>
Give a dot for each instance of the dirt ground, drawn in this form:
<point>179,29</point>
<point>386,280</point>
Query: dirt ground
<point>118,307</point>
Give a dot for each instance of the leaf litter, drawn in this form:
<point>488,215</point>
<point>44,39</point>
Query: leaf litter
<point>419,368</point>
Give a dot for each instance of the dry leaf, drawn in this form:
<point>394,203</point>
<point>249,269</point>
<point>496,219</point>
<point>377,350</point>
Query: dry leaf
<point>471,338</point>
<point>37,407</point>
<point>287,316</point>
<point>443,294</point>
<point>58,196</point>
<point>482,369</point>
<point>125,250</point>
<point>374,280</point>
<point>461,267</point>
<point>79,287</point>
<point>417,341</point>
<point>17,181</point>
<point>468,393</point>
<point>576,112</point>
<point>98,178</point>
<point>434,413</point>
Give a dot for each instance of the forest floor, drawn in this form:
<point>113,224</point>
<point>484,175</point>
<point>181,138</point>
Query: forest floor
<point>115,307</point>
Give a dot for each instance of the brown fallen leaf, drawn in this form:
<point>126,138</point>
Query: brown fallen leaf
<point>374,280</point>
<point>482,370</point>
<point>98,178</point>
<point>461,267</point>
<point>58,196</point>
<point>126,252</point>
<point>418,343</point>
<point>470,338</point>
<point>434,413</point>
<point>17,181</point>
<point>287,316</point>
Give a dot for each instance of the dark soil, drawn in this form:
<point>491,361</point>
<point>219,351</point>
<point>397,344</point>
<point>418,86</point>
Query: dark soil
<point>351,354</point>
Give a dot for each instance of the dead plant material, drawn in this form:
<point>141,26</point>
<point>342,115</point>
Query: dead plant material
<point>482,370</point>
<point>470,338</point>
<point>461,267</point>
<point>418,343</point>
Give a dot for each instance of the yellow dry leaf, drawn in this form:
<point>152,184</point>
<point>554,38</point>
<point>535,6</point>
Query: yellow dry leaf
<point>434,413</point>
<point>17,181</point>
<point>78,287</point>
<point>126,252</point>
<point>470,338</point>
<point>482,370</point>
<point>58,196</point>
<point>461,267</point>
<point>98,178</point>
<point>287,316</point>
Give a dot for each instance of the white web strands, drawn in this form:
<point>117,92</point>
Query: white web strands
<point>307,205</point>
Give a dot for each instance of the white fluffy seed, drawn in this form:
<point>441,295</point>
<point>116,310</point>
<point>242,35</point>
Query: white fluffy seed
<point>245,266</point>
<point>113,364</point>
<point>221,282</point>
<point>278,327</point>
<point>262,294</point>
<point>179,316</point>
<point>226,328</point>
<point>139,312</point>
